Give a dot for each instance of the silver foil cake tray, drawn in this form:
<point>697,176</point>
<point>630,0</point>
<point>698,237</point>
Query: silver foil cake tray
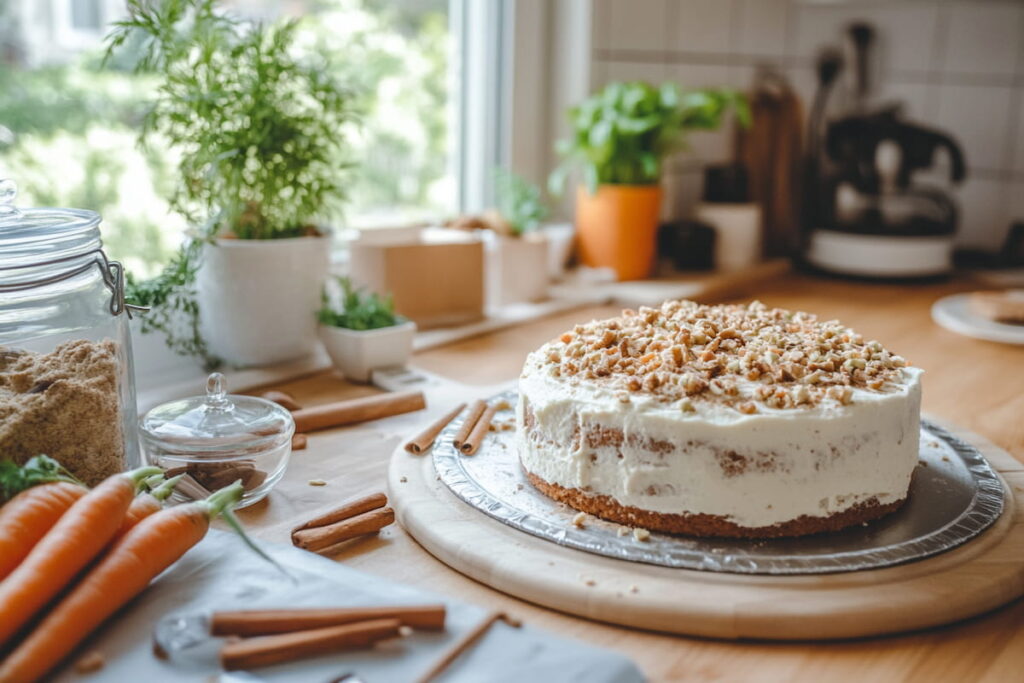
<point>954,496</point>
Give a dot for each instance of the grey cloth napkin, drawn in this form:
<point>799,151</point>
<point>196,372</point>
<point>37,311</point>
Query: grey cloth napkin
<point>221,573</point>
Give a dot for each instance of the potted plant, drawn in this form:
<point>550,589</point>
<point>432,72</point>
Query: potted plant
<point>620,139</point>
<point>361,332</point>
<point>258,127</point>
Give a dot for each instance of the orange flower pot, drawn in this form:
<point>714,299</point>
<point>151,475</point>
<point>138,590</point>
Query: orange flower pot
<point>617,228</point>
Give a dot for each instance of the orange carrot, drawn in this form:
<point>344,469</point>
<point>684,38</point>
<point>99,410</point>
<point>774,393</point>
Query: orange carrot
<point>77,537</point>
<point>135,560</point>
<point>148,503</point>
<point>25,520</point>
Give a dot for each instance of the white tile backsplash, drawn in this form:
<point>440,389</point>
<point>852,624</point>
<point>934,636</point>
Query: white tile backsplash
<point>918,99</point>
<point>700,75</point>
<point>979,118</point>
<point>957,65</point>
<point>983,38</point>
<point>904,30</point>
<point>709,147</point>
<point>702,26</point>
<point>761,27</point>
<point>637,24</point>
<point>683,189</point>
<point>984,213</point>
<point>652,72</point>
<point>1017,118</point>
<point>1016,208</point>
<point>600,17</point>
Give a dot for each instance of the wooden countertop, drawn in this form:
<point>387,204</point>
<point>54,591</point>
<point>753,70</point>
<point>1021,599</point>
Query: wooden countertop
<point>974,384</point>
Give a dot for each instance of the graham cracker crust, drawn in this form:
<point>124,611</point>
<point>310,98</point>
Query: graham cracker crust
<point>608,508</point>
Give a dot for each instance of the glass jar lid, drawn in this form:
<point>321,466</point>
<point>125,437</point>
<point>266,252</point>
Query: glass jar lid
<point>31,235</point>
<point>217,426</point>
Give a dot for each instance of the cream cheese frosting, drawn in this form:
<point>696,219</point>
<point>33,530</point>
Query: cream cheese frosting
<point>772,447</point>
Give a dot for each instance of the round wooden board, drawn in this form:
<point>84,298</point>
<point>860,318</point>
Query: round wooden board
<point>979,576</point>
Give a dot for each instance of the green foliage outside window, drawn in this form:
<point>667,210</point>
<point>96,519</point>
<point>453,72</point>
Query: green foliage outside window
<point>261,132</point>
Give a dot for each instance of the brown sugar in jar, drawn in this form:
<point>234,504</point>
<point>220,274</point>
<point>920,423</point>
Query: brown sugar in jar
<point>65,404</point>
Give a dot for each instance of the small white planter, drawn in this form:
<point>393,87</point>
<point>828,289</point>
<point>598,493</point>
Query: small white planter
<point>258,298</point>
<point>517,269</point>
<point>357,352</point>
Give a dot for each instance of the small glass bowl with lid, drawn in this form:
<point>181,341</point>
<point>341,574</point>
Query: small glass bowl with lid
<point>218,439</point>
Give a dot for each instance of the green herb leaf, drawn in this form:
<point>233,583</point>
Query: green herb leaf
<point>40,469</point>
<point>350,308</point>
<point>622,134</point>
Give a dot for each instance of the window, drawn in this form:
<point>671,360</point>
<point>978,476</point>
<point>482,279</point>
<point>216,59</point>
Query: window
<point>85,15</point>
<point>68,127</point>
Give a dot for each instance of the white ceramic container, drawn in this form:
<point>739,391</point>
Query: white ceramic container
<point>258,298</point>
<point>561,237</point>
<point>358,352</point>
<point>517,269</point>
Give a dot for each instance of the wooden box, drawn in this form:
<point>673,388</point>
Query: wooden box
<point>436,278</point>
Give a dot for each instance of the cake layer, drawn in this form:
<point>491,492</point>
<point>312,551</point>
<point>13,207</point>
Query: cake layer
<point>744,418</point>
<point>751,470</point>
<point>608,508</point>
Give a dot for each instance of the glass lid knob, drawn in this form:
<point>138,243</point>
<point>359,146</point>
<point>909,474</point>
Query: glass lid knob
<point>217,392</point>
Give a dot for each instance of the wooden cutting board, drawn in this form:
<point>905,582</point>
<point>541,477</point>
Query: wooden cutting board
<point>979,576</point>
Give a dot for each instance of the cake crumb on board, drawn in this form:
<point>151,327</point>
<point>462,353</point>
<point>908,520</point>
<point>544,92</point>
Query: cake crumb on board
<point>317,482</point>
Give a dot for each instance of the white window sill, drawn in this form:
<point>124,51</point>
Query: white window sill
<point>162,375</point>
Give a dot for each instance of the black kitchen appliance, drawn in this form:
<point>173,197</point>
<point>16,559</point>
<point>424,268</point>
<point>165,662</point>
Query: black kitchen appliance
<point>869,213</point>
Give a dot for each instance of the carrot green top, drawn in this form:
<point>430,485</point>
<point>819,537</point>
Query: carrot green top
<point>41,469</point>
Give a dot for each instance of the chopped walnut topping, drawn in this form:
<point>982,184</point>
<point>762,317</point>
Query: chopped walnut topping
<point>746,357</point>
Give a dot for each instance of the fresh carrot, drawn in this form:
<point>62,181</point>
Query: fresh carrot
<point>25,520</point>
<point>73,542</point>
<point>148,502</point>
<point>151,547</point>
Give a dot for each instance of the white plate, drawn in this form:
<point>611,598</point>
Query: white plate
<point>954,313</point>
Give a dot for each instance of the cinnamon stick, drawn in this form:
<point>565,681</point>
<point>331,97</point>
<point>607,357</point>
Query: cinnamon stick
<point>266,622</point>
<point>426,438</point>
<point>357,410</point>
<point>282,399</point>
<point>475,411</point>
<point>322,537</point>
<point>252,653</point>
<point>464,644</point>
<point>350,509</point>
<point>479,433</point>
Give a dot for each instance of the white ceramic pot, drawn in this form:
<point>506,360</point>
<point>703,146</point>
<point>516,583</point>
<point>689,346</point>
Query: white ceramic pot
<point>561,237</point>
<point>258,298</point>
<point>357,352</point>
<point>517,269</point>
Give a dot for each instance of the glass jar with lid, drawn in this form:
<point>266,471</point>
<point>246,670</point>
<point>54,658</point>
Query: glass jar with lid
<point>217,439</point>
<point>66,373</point>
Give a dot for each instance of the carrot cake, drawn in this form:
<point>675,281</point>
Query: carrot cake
<point>730,420</point>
